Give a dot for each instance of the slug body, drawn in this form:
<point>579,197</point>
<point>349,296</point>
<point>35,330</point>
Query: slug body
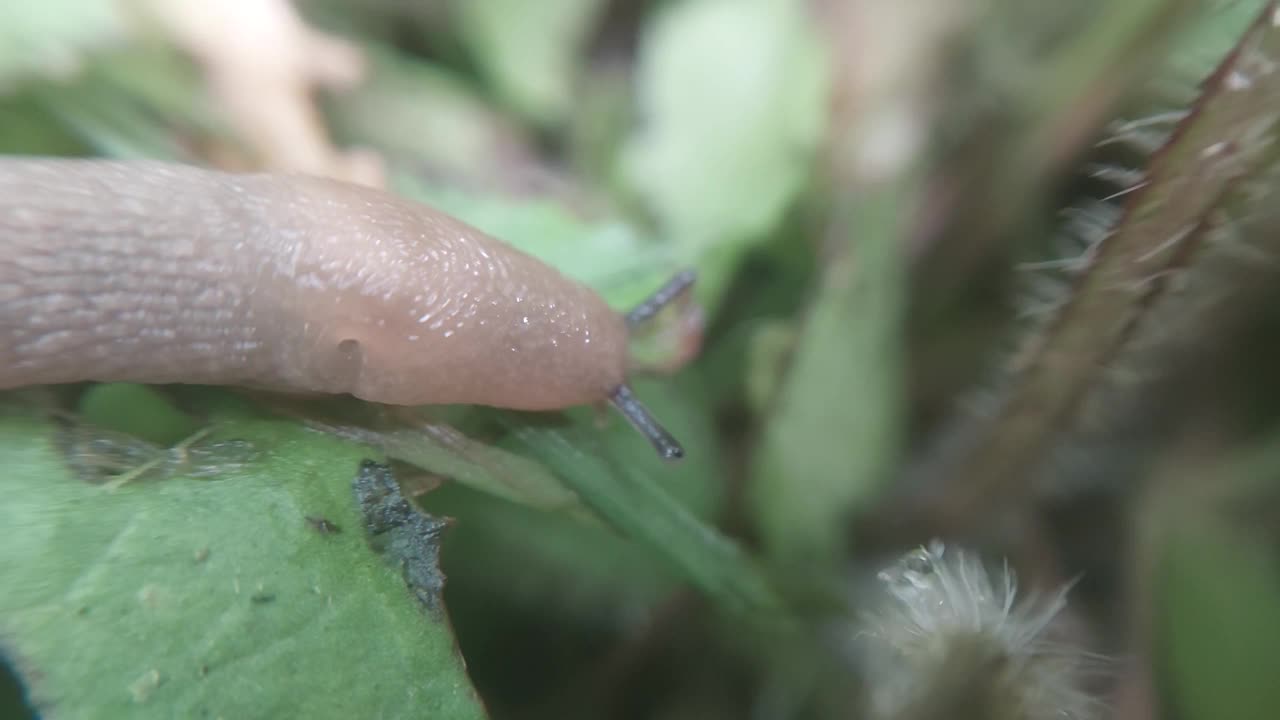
<point>160,273</point>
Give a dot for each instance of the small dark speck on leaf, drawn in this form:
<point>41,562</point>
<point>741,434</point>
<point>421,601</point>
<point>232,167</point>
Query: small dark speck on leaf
<point>407,537</point>
<point>322,525</point>
<point>262,598</point>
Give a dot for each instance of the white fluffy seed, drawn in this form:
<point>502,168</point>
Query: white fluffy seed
<point>950,634</point>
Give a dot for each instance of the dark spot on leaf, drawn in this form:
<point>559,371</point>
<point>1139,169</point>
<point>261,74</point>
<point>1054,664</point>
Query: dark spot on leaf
<point>406,536</point>
<point>323,525</point>
<point>262,598</point>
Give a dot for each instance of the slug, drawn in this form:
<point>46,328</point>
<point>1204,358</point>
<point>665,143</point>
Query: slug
<point>157,273</point>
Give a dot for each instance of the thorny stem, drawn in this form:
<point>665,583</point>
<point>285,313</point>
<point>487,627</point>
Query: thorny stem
<point>1077,86</point>
<point>1224,140</point>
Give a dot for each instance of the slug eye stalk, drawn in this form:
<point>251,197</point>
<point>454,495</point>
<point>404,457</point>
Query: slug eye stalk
<point>622,398</point>
<point>662,297</point>
<point>640,418</point>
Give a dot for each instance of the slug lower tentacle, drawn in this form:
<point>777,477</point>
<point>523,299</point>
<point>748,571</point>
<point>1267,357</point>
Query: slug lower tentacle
<point>153,272</point>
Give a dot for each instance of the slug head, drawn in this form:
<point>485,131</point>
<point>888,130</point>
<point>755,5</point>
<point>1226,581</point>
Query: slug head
<point>405,305</point>
<point>623,399</point>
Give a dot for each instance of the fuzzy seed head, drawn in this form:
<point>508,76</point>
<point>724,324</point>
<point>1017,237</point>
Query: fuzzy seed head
<point>953,640</point>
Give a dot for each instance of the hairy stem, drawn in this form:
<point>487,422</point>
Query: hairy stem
<point>1193,184</point>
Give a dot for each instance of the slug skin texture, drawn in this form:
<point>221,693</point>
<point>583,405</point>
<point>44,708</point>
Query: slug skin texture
<point>160,273</point>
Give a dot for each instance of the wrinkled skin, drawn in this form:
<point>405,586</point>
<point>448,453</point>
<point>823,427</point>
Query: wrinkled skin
<point>159,273</point>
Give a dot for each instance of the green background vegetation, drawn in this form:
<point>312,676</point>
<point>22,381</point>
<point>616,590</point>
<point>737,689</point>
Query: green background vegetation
<point>860,187</point>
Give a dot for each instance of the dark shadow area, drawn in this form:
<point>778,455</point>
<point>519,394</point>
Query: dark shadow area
<point>13,696</point>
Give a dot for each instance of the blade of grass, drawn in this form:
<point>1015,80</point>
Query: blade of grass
<point>628,498</point>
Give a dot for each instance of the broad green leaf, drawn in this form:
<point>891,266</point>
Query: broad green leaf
<point>224,596</point>
<point>529,51</point>
<point>526,529</point>
<point>733,95</point>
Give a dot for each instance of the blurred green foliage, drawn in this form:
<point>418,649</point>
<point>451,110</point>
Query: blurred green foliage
<point>842,261</point>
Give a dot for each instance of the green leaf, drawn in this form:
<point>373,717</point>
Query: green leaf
<point>422,114</point>
<point>609,255</point>
<point>217,597</point>
<point>27,128</point>
<point>440,448</point>
<point>1217,597</point>
<point>1200,46</point>
<point>833,433</point>
<point>53,36</point>
<point>129,103</point>
<point>529,51</point>
<point>138,410</point>
<point>620,478</point>
<point>581,567</point>
<point>734,99</point>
